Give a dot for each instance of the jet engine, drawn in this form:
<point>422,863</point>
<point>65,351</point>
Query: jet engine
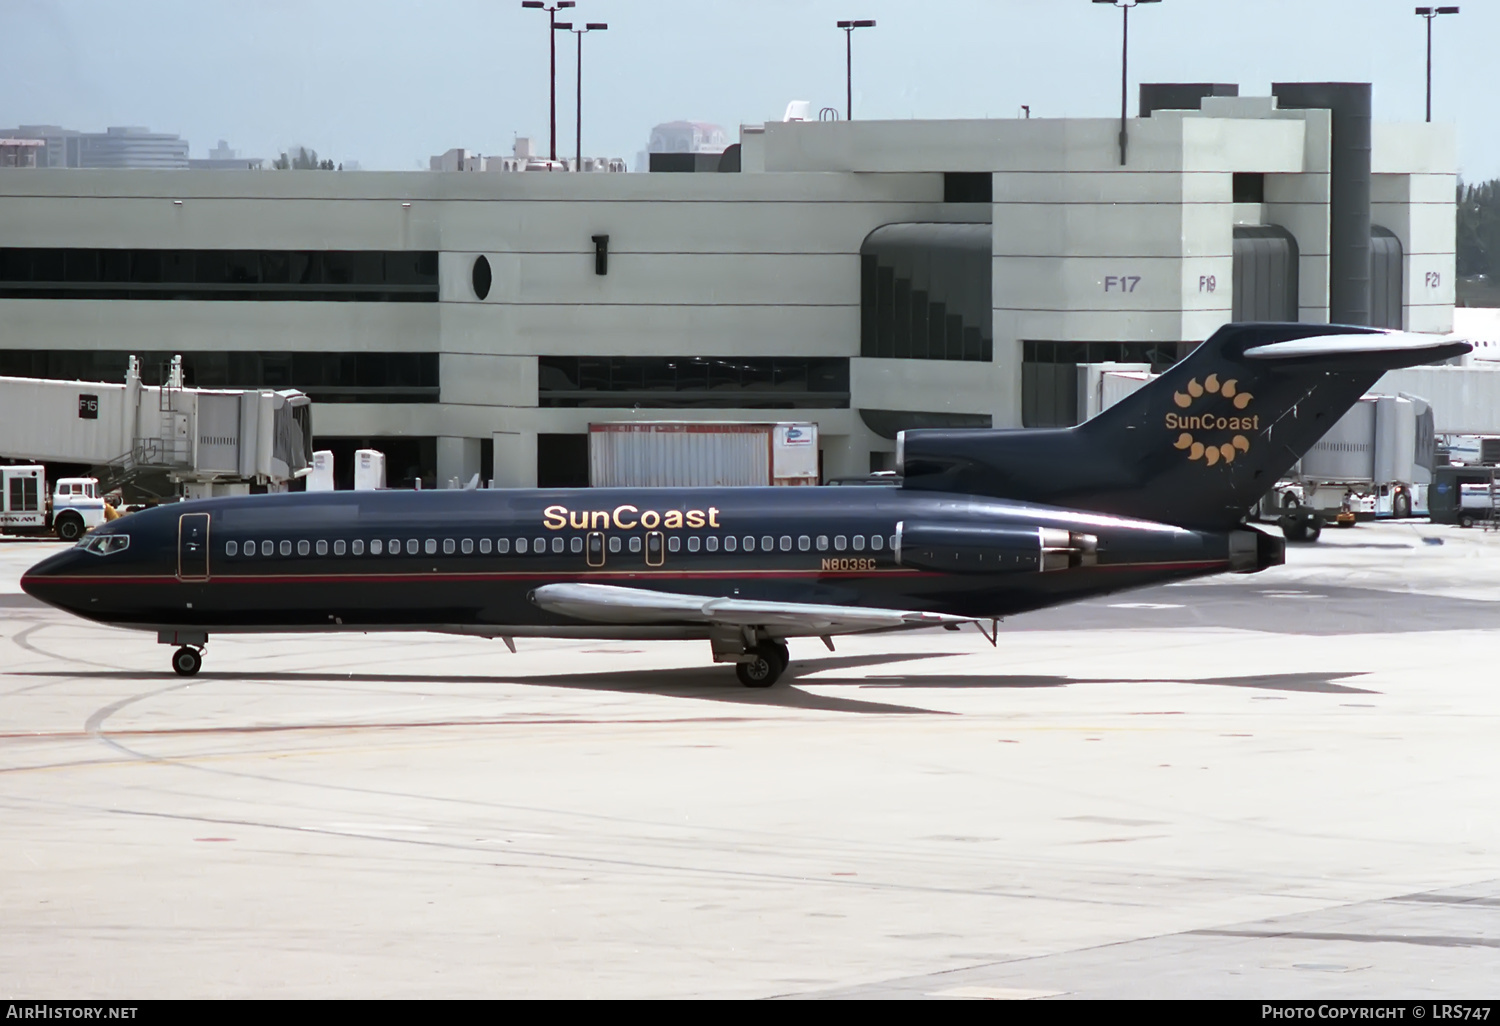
<point>983,549</point>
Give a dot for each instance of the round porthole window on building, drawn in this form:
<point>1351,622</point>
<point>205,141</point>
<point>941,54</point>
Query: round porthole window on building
<point>481,277</point>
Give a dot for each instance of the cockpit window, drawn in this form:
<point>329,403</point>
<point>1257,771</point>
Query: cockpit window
<point>105,544</point>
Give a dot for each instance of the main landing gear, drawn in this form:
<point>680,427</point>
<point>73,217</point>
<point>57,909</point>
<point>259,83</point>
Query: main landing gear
<point>763,665</point>
<point>187,660</point>
<point>759,661</point>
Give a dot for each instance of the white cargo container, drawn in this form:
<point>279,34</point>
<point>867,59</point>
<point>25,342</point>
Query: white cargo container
<point>321,477</point>
<point>369,470</point>
<point>690,454</point>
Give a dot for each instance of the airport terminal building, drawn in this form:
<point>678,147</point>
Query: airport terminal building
<point>870,276</point>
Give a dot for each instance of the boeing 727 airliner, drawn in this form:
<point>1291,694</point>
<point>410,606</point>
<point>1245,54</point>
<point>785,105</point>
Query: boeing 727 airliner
<point>984,524</point>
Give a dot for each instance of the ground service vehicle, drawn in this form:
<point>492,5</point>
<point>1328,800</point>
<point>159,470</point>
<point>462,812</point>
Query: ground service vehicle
<point>26,508</point>
<point>984,524</point>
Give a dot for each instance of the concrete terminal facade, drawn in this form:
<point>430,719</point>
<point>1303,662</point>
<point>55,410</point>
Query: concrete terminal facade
<point>867,275</point>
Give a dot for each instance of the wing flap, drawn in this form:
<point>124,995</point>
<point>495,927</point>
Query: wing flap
<point>604,603</point>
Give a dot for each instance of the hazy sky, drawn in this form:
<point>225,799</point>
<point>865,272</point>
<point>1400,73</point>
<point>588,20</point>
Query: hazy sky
<point>390,82</point>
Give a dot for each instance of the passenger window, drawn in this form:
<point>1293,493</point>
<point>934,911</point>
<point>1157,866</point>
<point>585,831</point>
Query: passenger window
<point>502,545</point>
<point>338,547</point>
<point>803,543</point>
<point>376,547</point>
<point>267,548</point>
<point>412,545</point>
<point>231,548</point>
<point>394,547</point>
<point>286,548</point>
<point>322,547</point>
<point>748,543</point>
<point>711,543</point>
<point>575,543</point>
<point>521,545</point>
<point>614,543</point>
<point>840,543</point>
<point>467,546</point>
<point>304,547</point>
<point>557,544</point>
<point>730,544</point>
<point>859,543</point>
<point>484,546</point>
<point>893,543</point>
<point>785,543</point>
<point>674,543</point>
<point>694,542</point>
<point>767,543</point>
<point>635,543</point>
<point>877,542</point>
<point>357,547</point>
<point>539,546</point>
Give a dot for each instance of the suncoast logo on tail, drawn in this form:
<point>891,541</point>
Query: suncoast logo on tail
<point>1219,433</point>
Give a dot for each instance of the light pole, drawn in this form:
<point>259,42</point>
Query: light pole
<point>592,26</point>
<point>849,27</point>
<point>1124,6</point>
<point>552,40</point>
<point>1427,14</point>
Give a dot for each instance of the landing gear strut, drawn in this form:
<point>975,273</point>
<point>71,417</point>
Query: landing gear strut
<point>187,661</point>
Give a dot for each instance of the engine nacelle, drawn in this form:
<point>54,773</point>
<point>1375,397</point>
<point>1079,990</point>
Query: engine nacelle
<point>1000,549</point>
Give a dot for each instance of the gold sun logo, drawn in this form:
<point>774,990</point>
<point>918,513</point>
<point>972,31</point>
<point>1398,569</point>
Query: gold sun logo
<point>1193,427</point>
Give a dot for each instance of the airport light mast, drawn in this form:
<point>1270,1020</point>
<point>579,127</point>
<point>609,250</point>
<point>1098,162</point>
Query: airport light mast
<point>849,27</point>
<point>1427,14</point>
<point>1124,6</point>
<point>592,26</point>
<point>552,40</point>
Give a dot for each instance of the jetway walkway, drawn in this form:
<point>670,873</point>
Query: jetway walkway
<point>191,441</point>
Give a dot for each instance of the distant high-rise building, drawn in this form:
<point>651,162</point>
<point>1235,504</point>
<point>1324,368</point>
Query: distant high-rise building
<point>20,152</point>
<point>132,147</point>
<point>222,158</point>
<point>117,147</point>
<point>682,137</point>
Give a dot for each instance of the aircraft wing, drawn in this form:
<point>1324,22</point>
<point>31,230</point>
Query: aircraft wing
<point>604,603</point>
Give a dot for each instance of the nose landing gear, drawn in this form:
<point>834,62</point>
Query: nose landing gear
<point>186,662</point>
<point>188,659</point>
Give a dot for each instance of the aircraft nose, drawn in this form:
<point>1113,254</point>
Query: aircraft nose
<point>38,582</point>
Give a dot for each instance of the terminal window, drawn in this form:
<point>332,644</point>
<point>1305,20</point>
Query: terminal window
<point>925,292</point>
<point>360,276</point>
<point>694,382</point>
<point>1049,374</point>
<point>326,377</point>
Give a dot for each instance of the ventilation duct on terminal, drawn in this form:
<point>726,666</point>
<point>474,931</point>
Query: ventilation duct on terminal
<point>1349,190</point>
<point>1181,95</point>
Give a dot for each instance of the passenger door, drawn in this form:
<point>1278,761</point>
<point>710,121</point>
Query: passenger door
<point>192,547</point>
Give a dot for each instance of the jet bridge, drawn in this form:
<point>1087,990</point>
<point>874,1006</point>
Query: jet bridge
<point>204,441</point>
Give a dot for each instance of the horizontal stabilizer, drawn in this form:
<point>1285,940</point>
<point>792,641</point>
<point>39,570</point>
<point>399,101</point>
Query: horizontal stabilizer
<point>1407,348</point>
<point>604,603</point>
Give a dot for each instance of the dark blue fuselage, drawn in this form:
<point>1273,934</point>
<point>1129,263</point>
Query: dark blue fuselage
<point>469,560</point>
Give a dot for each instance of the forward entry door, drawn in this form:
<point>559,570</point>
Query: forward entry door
<point>192,547</point>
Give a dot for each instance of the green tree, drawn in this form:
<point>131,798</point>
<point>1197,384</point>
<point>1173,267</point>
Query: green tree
<point>303,160</point>
<point>1477,245</point>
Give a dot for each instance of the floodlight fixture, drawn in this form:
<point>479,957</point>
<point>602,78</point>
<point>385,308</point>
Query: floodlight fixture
<point>1124,6</point>
<point>849,27</point>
